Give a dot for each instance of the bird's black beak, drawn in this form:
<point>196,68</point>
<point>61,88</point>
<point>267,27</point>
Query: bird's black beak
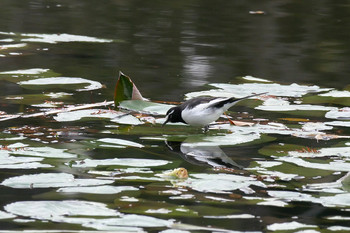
<point>166,120</point>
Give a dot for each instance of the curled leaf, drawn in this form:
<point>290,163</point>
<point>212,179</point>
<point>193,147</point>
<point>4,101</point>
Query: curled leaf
<point>125,89</point>
<point>180,173</point>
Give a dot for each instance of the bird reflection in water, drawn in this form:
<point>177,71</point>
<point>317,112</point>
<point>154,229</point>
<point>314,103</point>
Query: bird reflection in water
<point>202,155</point>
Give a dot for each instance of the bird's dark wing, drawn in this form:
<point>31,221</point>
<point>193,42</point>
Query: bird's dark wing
<point>220,104</point>
<point>217,104</point>
<point>196,101</point>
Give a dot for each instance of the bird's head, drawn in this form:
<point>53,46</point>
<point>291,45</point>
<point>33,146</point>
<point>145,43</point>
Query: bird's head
<point>173,115</point>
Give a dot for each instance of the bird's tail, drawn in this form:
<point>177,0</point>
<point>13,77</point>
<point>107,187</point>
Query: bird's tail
<point>234,100</point>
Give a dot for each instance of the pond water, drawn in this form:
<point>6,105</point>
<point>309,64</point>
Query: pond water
<point>283,166</point>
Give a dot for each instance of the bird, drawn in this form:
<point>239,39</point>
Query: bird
<point>209,156</point>
<point>202,110</point>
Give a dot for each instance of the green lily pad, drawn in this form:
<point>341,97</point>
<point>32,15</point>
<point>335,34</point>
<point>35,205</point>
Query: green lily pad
<point>317,99</point>
<point>279,150</point>
<point>154,208</point>
<point>287,171</point>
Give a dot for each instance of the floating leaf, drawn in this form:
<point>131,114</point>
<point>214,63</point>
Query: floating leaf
<point>97,114</point>
<point>12,46</point>
<point>254,79</point>
<point>4,215</point>
<point>287,226</point>
<point>121,142</point>
<point>27,74</point>
<point>281,105</point>
<point>47,180</point>
<point>44,151</point>
<point>78,84</point>
<point>54,38</point>
<point>339,114</point>
<point>245,89</point>
<point>125,89</point>
<point>52,210</point>
<point>221,183</point>
<point>17,162</point>
<point>103,189</point>
<point>333,97</point>
<point>145,107</point>
<point>121,162</point>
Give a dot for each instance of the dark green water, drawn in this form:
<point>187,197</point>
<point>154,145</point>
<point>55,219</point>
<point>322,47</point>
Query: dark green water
<point>169,49</point>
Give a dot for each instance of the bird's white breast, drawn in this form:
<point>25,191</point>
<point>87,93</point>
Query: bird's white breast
<point>201,115</point>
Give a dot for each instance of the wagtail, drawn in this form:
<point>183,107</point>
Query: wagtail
<point>201,111</point>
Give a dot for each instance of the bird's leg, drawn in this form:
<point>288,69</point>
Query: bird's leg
<point>206,129</point>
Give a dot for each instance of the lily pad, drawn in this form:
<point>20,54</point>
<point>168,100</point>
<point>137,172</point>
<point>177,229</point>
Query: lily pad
<point>17,162</point>
<point>287,226</point>
<point>44,151</point>
<point>50,180</point>
<point>98,114</point>
<point>84,213</point>
<point>70,83</point>
<point>254,79</point>
<point>335,165</point>
<point>121,142</point>
<point>4,215</point>
<point>57,210</point>
<point>339,114</point>
<point>145,107</point>
<point>280,105</point>
<point>121,162</point>
<point>245,89</point>
<point>103,189</point>
<point>53,38</point>
<point>334,97</point>
<point>26,74</point>
<point>220,183</point>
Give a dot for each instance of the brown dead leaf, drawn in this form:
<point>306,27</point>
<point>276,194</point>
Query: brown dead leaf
<point>295,119</point>
<point>242,123</point>
<point>235,196</point>
<point>238,123</point>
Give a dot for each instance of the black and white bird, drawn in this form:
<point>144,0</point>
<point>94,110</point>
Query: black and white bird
<point>201,111</point>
